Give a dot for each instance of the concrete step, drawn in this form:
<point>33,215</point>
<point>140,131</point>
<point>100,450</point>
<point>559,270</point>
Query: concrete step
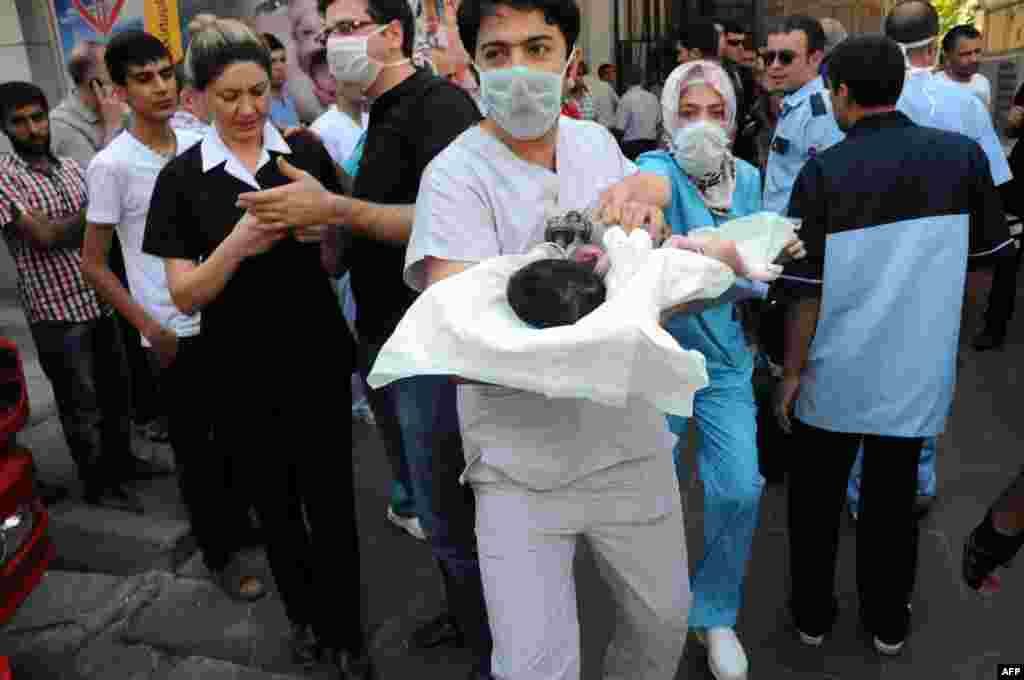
<point>86,626</point>
<point>112,542</point>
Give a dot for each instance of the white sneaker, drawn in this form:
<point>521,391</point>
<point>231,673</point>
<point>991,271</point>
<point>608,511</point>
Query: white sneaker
<point>726,657</point>
<point>410,525</point>
<point>887,649</point>
<point>810,640</point>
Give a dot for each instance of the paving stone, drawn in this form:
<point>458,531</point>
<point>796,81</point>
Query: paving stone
<point>193,617</point>
<point>109,660</point>
<point>213,669</point>
<point>108,541</point>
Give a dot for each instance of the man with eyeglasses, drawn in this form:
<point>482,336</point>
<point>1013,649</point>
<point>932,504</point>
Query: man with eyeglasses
<point>806,125</point>
<point>414,115</point>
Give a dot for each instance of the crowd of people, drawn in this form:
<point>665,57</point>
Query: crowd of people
<point>164,215</point>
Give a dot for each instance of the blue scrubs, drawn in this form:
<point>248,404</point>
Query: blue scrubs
<point>725,411</point>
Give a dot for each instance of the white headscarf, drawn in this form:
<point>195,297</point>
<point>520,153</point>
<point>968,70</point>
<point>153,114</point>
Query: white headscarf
<point>697,73</point>
<point>717,195</point>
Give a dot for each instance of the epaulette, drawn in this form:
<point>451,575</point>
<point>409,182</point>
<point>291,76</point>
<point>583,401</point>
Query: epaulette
<point>818,107</point>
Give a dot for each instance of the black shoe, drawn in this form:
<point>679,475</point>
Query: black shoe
<point>441,630</point>
<point>923,505</point>
<point>136,469</point>
<point>349,665</point>
<point>988,339</point>
<point>480,673</point>
<point>115,497</point>
<point>50,494</point>
<point>303,644</point>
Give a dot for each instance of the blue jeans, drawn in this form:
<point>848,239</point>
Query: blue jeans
<point>432,449</point>
<point>925,473</point>
<point>726,416</point>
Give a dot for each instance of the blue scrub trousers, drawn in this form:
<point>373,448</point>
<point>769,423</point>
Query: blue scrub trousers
<point>726,418</point>
<point>925,474</point>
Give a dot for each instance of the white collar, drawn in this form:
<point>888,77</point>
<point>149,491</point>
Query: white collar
<point>214,153</point>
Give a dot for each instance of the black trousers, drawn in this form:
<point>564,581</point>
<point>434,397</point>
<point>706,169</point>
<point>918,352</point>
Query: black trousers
<point>85,364</point>
<point>887,532</point>
<point>633,149</point>
<point>292,455</point>
<point>217,508</point>
<point>1002,297</point>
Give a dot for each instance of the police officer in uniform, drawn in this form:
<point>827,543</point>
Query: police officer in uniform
<point>806,126</point>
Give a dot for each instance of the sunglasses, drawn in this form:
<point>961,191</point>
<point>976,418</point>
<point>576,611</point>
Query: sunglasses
<point>736,43</point>
<point>785,57</point>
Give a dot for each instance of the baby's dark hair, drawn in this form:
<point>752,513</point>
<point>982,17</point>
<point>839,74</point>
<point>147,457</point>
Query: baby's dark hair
<point>550,293</point>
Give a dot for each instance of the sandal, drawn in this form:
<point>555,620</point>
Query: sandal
<point>985,551</point>
<point>238,585</point>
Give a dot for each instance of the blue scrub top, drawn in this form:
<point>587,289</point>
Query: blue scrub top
<point>717,332</point>
<point>283,112</point>
<point>351,164</point>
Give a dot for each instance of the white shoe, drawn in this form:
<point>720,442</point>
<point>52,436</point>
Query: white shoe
<point>410,525</point>
<point>810,640</point>
<point>887,649</point>
<point>726,657</point>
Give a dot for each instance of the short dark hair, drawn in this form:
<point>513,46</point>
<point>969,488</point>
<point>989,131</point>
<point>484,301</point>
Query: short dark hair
<point>733,26</point>
<point>700,35</point>
<point>220,44</point>
<point>562,13</point>
<point>273,44</point>
<point>384,12</point>
<point>82,60</point>
<point>550,293</point>
<point>951,41</point>
<point>807,25</point>
<point>871,66</point>
<point>133,48</point>
<point>16,94</point>
<point>912,21</point>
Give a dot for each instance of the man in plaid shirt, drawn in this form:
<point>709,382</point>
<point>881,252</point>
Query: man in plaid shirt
<point>42,217</point>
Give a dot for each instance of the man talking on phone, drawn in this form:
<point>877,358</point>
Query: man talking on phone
<point>91,116</point>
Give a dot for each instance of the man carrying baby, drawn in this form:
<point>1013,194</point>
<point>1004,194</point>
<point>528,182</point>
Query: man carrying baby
<point>547,471</point>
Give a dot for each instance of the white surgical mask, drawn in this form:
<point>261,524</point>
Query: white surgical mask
<point>349,61</point>
<point>700,148</point>
<point>523,101</point>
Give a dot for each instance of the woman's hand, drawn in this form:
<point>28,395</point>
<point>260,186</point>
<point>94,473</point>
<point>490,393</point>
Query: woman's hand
<point>1015,118</point>
<point>793,250</point>
<point>252,237</point>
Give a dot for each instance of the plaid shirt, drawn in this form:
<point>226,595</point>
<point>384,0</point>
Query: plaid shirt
<point>50,281</point>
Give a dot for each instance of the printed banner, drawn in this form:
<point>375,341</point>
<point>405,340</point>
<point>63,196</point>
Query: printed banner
<point>163,22</point>
<point>98,20</point>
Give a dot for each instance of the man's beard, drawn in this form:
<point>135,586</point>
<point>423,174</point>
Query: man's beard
<point>31,149</point>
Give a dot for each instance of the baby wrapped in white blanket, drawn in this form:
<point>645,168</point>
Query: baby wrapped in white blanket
<point>464,325</point>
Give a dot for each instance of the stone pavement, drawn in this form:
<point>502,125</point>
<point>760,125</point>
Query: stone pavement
<point>129,598</point>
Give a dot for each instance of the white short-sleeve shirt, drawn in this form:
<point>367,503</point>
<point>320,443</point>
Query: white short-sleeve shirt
<point>978,85</point>
<point>121,179</point>
<point>339,132</point>
<point>478,200</point>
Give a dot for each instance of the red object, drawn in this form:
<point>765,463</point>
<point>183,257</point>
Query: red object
<point>25,547</point>
<point>5,669</point>
<point>570,109</point>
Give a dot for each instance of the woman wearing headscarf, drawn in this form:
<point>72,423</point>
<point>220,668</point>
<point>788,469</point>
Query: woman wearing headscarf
<point>702,184</point>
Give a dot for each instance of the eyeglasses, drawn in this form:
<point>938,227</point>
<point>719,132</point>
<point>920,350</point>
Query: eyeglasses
<point>345,27</point>
<point>785,57</point>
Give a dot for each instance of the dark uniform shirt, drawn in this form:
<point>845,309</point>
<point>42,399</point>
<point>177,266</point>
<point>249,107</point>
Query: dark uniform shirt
<point>890,216</point>
<point>409,125</point>
<point>277,320</point>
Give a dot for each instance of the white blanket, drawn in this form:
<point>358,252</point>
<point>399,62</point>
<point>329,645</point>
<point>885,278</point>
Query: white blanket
<point>464,326</point>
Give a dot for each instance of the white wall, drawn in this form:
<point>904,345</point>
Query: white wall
<point>597,32</point>
<point>14,63</point>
